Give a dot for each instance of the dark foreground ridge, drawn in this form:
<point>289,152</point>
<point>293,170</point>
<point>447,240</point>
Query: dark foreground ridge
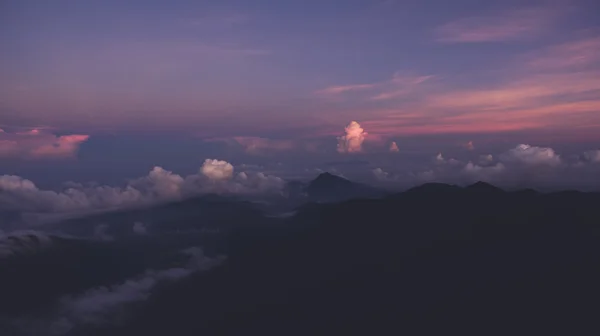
<point>435,259</point>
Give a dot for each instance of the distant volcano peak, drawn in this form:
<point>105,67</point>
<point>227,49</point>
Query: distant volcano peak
<point>481,186</point>
<point>327,178</point>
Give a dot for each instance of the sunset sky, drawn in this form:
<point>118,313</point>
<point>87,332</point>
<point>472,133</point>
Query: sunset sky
<point>106,90</point>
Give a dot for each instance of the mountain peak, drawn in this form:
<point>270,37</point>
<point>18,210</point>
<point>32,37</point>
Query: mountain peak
<point>328,178</point>
<point>326,175</point>
<point>329,187</point>
<point>481,186</point>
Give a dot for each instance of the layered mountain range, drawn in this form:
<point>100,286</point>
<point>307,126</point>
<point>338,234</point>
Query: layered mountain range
<point>346,259</point>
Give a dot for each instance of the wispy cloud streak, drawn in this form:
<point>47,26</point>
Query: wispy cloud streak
<point>507,26</point>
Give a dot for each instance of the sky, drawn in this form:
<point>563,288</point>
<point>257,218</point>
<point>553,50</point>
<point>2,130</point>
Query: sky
<point>395,92</point>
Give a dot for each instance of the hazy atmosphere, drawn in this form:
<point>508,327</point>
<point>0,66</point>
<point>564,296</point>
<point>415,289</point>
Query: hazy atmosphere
<point>160,130</point>
<point>104,91</point>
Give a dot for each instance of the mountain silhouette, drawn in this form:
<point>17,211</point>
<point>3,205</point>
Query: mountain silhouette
<point>202,212</point>
<point>483,187</point>
<point>434,258</point>
<point>433,188</point>
<point>332,188</point>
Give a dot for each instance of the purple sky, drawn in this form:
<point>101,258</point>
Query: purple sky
<point>106,90</point>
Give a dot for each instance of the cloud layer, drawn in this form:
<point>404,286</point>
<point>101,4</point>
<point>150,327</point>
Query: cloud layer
<point>399,86</point>
<point>534,156</point>
<point>36,144</point>
<point>553,87</point>
<point>106,304</point>
<point>505,26</point>
<point>523,166</point>
<point>159,185</point>
<point>520,166</point>
<point>24,242</point>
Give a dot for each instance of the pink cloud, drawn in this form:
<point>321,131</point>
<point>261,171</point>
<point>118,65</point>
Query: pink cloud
<point>555,87</point>
<point>352,141</point>
<point>468,123</point>
<point>564,99</point>
<point>376,139</point>
<point>263,146</point>
<point>64,146</point>
<point>335,90</point>
<point>530,116</point>
<point>520,91</point>
<point>572,54</point>
<point>507,26</point>
<point>401,86</point>
<point>256,144</point>
<point>35,144</point>
<point>474,114</point>
<point>34,131</point>
<point>394,147</point>
<point>398,86</point>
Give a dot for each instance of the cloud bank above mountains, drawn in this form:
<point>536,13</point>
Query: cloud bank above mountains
<point>385,162</point>
<point>215,176</point>
<point>518,167</point>
<point>523,166</point>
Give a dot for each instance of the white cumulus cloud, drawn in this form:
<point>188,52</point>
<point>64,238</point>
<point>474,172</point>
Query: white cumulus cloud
<point>160,185</point>
<point>531,155</point>
<point>487,173</point>
<point>380,174</point>
<point>217,170</point>
<point>352,141</point>
<point>439,159</point>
